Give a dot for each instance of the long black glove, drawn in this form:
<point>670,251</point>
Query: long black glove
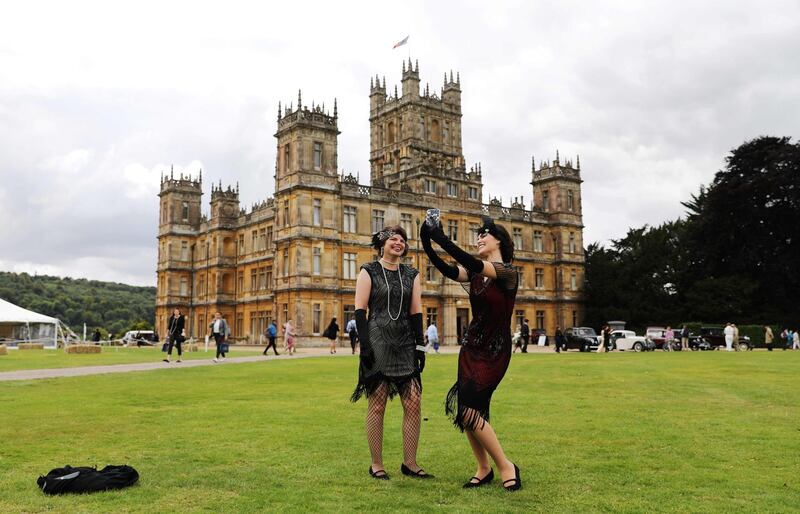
<point>416,326</point>
<point>366,357</point>
<point>448,270</point>
<point>469,262</point>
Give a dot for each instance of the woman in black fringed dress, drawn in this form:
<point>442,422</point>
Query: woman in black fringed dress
<point>486,347</point>
<point>392,348</point>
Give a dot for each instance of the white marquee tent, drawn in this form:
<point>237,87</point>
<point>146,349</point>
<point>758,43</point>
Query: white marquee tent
<point>21,325</point>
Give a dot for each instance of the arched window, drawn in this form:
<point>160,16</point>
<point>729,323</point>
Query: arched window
<point>390,129</point>
<point>436,133</point>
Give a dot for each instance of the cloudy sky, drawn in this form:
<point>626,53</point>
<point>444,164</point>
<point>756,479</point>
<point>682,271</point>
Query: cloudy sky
<point>97,100</point>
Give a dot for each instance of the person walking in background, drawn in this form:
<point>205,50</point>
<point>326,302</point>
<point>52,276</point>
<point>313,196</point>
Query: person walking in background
<point>220,332</point>
<point>735,337</point>
<point>768,338</point>
<point>787,334</point>
<point>96,336</point>
<point>272,333</point>
<point>728,337</point>
<point>605,339</point>
<point>486,352</point>
<point>332,333</point>
<point>796,340</point>
<point>559,339</point>
<point>432,334</point>
<point>175,333</point>
<point>669,338</point>
<point>517,339</point>
<point>352,331</point>
<point>685,338</point>
<point>392,347</point>
<point>525,332</point>
<point>288,337</point>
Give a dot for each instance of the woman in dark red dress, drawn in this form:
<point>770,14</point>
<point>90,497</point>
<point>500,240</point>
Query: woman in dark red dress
<point>486,347</point>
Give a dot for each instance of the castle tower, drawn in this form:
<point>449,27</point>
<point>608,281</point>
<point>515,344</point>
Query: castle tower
<point>415,139</point>
<point>179,223</point>
<point>557,195</point>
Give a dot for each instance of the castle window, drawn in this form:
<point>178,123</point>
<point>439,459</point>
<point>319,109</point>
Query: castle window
<point>185,211</point>
<point>473,193</point>
<point>452,189</point>
<point>572,242</point>
<point>540,320</point>
<point>253,280</point>
<point>254,242</point>
<point>570,201</point>
<point>269,236</point>
<point>316,260</point>
<point>317,156</point>
<point>240,282</point>
<point>349,224</point>
<point>269,277</point>
<point>452,230</point>
<point>431,273</point>
<point>184,286</point>
<point>262,239</point>
<point>422,128</point>
<point>317,318</point>
<point>285,262</point>
<point>285,212</point>
<point>431,316</point>
<point>349,266</point>
<point>436,132</point>
<point>574,318</point>
<point>446,135</point>
<point>184,251</point>
<point>377,220</point>
<point>573,280</point>
<point>262,278</point>
<point>537,241</point>
<point>285,312</point>
<point>430,186</point>
<point>240,250</point>
<point>349,313</point>
<point>517,238</point>
<point>407,224</point>
<point>519,316</point>
<point>239,324</point>
<point>317,214</point>
<point>390,130</point>
<point>545,201</point>
<point>521,275</point>
<point>254,324</point>
<point>286,155</point>
<point>539,278</point>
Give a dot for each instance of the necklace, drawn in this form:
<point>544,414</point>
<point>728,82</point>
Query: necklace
<point>390,262</point>
<point>388,292</point>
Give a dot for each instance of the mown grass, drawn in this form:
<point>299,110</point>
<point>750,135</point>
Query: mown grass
<point>657,432</point>
<point>48,359</point>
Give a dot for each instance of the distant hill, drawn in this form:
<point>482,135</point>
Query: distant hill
<point>109,306</point>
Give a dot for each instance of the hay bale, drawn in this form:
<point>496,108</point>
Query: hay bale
<point>31,346</point>
<point>3,349</point>
<point>84,348</point>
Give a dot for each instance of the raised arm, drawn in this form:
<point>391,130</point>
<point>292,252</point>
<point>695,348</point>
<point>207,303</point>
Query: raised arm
<point>467,262</point>
<point>456,273</point>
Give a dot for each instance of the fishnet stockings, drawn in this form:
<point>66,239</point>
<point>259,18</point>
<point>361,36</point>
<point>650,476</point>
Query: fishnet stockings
<point>375,410</point>
<point>411,425</point>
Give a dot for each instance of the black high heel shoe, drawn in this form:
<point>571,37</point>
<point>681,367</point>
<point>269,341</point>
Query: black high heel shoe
<point>379,475</point>
<point>516,482</point>
<point>416,474</point>
<point>480,481</point>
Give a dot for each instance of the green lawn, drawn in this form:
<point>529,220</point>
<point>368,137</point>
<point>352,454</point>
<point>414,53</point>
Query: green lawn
<point>44,359</point>
<point>655,432</point>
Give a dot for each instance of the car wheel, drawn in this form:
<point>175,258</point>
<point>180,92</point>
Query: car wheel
<point>665,347</point>
<point>637,347</point>
<point>743,347</point>
<point>584,348</point>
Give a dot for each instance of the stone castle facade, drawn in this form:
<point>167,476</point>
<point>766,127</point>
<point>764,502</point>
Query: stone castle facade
<point>297,255</point>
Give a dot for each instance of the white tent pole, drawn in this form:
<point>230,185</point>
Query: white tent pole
<point>84,332</point>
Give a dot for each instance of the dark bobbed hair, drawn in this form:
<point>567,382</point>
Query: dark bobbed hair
<point>501,234</point>
<point>379,238</point>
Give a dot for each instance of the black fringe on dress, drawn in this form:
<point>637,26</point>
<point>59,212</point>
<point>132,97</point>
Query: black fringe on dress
<point>463,417</point>
<point>395,386</point>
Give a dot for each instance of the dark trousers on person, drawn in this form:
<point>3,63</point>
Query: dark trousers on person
<point>219,339</point>
<point>174,341</point>
<point>353,340</point>
<point>769,347</point>
<point>525,340</point>
<point>272,344</point>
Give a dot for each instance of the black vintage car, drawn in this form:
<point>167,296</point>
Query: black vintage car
<point>581,338</point>
<point>715,338</point>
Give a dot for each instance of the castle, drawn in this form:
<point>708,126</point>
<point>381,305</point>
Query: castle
<point>297,255</point>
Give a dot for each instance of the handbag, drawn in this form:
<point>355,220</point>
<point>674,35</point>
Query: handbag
<point>164,347</point>
<point>223,347</point>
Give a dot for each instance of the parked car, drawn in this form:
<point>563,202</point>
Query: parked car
<point>627,340</point>
<point>140,338</point>
<point>715,336</point>
<point>656,334</point>
<point>581,338</point>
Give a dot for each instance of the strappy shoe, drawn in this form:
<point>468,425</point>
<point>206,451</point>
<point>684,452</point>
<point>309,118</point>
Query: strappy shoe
<point>480,481</point>
<point>379,475</point>
<point>513,483</point>
<point>420,473</point>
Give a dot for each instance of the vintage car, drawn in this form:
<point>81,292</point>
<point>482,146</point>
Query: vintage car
<point>581,338</point>
<point>140,338</point>
<point>627,340</point>
<point>715,336</point>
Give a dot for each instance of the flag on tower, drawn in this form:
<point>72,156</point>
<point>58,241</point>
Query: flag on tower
<point>400,43</point>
